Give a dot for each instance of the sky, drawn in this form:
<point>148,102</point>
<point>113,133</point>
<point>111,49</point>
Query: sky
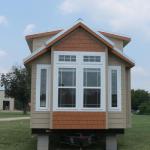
<point>128,17</point>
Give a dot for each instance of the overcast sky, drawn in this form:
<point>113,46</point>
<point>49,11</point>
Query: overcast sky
<point>129,17</point>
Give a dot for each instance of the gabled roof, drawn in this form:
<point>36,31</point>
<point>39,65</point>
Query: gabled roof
<point>124,38</point>
<point>61,34</point>
<point>29,38</point>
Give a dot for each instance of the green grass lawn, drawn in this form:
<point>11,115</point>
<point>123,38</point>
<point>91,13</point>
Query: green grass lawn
<point>12,114</point>
<point>138,137</point>
<point>16,135</point>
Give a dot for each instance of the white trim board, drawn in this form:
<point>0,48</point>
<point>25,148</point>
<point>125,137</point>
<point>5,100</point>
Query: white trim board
<point>119,101</point>
<point>48,84</point>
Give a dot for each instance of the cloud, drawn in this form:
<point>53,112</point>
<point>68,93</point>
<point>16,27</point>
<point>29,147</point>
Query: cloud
<point>118,14</point>
<point>2,53</point>
<point>3,20</point>
<point>29,29</point>
<point>68,7</point>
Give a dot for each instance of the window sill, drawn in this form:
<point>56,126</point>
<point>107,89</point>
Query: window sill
<point>114,110</point>
<point>80,110</point>
<point>42,109</point>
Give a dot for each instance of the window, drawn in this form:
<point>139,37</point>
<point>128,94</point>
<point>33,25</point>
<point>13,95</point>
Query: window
<point>70,58</point>
<point>66,87</point>
<point>92,59</point>
<point>79,81</point>
<point>115,87</point>
<point>92,91</point>
<point>42,87</point>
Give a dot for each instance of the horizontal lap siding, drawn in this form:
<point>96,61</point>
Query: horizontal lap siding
<point>119,119</point>
<point>79,40</point>
<point>79,120</point>
<point>38,119</point>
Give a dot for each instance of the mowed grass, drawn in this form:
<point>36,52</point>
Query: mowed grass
<point>12,114</point>
<point>138,137</point>
<point>16,135</point>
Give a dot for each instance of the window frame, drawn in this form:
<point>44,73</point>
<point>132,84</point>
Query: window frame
<point>39,67</point>
<point>66,87</point>
<point>118,69</point>
<point>92,87</point>
<point>79,65</point>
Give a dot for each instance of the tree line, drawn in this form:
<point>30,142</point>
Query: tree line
<point>17,84</point>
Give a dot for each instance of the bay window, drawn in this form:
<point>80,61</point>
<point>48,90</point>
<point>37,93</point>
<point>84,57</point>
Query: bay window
<point>79,81</point>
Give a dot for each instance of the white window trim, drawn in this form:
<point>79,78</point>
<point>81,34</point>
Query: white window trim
<point>80,64</point>
<point>118,108</point>
<point>48,83</point>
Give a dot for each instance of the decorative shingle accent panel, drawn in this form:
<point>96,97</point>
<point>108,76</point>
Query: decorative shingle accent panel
<point>79,120</point>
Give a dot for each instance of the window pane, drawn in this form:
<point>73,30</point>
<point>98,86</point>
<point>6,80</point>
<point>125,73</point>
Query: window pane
<point>67,58</point>
<point>92,77</point>
<point>92,97</point>
<point>61,58</point>
<point>73,58</point>
<point>114,87</point>
<point>98,59</point>
<point>43,88</point>
<point>66,97</point>
<point>67,77</point>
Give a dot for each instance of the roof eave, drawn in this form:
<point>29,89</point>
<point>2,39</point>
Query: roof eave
<point>63,33</point>
<point>125,39</point>
<point>123,57</point>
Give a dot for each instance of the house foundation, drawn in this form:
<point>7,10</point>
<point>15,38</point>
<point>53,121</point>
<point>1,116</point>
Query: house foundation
<point>83,138</point>
<point>42,142</point>
<point>111,142</point>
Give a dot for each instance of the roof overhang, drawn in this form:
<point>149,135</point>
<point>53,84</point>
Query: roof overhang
<point>124,38</point>
<point>63,33</point>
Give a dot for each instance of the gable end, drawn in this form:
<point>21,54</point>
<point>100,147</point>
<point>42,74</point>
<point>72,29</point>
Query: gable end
<point>79,40</point>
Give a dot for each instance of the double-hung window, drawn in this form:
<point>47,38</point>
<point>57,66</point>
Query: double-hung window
<point>42,87</point>
<point>92,87</point>
<point>79,81</point>
<point>66,87</point>
<point>115,88</point>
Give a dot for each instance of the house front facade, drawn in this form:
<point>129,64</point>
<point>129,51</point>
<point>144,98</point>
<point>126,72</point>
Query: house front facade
<point>80,82</point>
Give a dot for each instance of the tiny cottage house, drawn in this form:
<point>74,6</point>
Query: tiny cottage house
<point>80,83</point>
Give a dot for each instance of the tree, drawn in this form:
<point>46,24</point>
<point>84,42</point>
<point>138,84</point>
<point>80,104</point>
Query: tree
<point>144,108</point>
<point>17,85</point>
<point>139,99</point>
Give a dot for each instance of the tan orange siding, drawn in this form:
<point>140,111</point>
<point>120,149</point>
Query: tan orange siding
<point>79,120</point>
<point>79,40</point>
